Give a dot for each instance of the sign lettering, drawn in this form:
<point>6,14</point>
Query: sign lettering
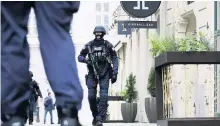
<point>140,24</point>
<point>123,26</point>
<point>138,7</point>
<point>122,29</point>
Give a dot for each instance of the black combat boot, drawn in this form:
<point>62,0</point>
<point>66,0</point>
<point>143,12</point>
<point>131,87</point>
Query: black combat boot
<point>94,122</point>
<point>99,123</point>
<point>59,121</point>
<point>69,115</point>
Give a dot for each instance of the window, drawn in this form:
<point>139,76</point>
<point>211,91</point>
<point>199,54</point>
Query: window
<point>98,7</point>
<point>98,20</point>
<point>189,2</point>
<point>106,7</point>
<point>106,19</point>
<point>106,28</point>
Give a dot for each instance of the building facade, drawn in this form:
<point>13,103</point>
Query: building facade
<point>217,70</point>
<point>183,18</point>
<point>135,58</point>
<point>102,14</point>
<point>186,17</point>
<point>178,18</point>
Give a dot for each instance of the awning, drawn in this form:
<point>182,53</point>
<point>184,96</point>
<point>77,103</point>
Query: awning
<point>120,43</point>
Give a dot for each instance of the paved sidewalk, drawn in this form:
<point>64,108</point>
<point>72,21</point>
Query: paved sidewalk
<point>106,124</point>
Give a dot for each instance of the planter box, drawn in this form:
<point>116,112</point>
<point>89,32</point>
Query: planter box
<point>217,114</point>
<point>168,58</point>
<point>203,57</point>
<point>129,112</point>
<point>189,122</point>
<point>114,98</point>
<point>151,109</point>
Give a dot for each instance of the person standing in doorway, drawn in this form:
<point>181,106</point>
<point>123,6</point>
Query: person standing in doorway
<point>49,106</point>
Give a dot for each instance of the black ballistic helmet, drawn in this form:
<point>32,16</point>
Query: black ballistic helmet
<point>99,29</point>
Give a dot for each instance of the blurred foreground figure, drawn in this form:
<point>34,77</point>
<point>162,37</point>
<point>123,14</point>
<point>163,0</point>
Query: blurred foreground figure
<point>35,92</point>
<point>58,54</point>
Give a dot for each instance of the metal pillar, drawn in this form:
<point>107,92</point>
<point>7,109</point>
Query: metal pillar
<point>217,67</point>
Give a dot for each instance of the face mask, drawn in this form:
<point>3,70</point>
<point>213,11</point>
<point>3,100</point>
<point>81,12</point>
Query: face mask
<point>98,35</point>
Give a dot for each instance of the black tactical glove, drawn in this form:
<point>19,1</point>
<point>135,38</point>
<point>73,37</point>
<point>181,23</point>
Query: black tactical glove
<point>114,78</point>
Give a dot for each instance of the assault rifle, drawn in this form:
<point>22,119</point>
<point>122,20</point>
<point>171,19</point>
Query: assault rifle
<point>91,57</point>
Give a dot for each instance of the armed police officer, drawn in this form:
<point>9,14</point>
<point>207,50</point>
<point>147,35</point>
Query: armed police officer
<point>102,64</point>
<point>35,92</point>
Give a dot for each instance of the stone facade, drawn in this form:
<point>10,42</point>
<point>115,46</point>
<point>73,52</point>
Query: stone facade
<point>174,18</point>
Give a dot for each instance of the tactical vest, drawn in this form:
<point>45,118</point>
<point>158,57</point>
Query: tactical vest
<point>99,53</point>
<point>101,57</point>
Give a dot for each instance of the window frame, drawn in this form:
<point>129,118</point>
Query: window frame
<point>104,7</point>
<point>96,7</point>
<point>106,28</point>
<point>104,17</point>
